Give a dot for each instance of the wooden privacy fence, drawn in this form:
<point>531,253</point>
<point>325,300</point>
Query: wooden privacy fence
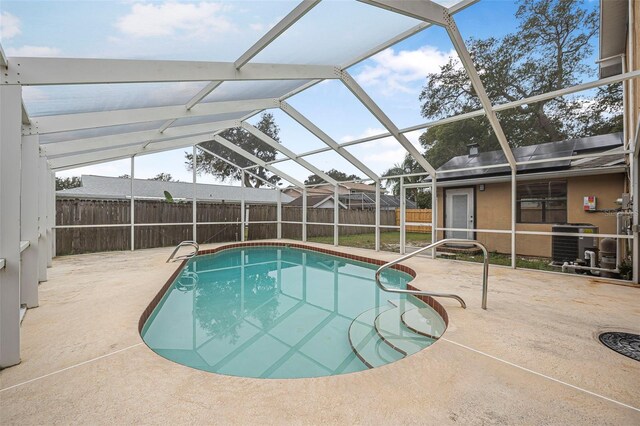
<point>163,224</point>
<point>416,215</point>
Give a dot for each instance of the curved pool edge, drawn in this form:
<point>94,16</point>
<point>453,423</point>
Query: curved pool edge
<point>433,303</point>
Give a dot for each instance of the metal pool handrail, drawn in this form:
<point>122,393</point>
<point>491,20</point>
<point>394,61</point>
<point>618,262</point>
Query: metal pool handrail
<point>186,256</point>
<point>485,272</point>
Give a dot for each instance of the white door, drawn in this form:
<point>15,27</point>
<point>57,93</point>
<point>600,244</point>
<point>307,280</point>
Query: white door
<point>459,212</point>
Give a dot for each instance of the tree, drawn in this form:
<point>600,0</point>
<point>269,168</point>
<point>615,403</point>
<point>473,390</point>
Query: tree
<point>163,177</point>
<point>336,174</point>
<point>547,53</point>
<point>207,163</point>
<point>421,196</point>
<point>68,182</point>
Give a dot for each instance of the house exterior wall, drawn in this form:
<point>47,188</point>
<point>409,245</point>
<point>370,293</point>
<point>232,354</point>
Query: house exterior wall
<point>493,211</point>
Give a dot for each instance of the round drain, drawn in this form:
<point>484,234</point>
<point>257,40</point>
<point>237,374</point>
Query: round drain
<point>624,343</point>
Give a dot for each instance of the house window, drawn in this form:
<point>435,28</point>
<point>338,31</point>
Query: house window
<point>542,202</point>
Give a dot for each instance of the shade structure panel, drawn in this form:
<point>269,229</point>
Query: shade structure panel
<point>244,90</point>
<point>99,131</point>
<point>210,118</point>
<point>71,99</point>
<point>334,33</point>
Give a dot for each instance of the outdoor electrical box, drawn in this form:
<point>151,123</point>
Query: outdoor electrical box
<point>589,203</point>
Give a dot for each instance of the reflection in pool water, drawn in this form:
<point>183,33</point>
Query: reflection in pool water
<point>270,312</point>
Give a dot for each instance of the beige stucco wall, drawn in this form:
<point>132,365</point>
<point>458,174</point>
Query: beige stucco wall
<point>493,211</point>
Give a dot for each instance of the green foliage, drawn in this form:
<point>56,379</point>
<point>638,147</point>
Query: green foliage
<point>336,174</point>
<point>163,177</point>
<point>68,183</point>
<point>548,52</point>
<point>208,164</point>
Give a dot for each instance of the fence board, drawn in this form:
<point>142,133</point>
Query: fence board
<point>101,212</point>
<point>416,215</point>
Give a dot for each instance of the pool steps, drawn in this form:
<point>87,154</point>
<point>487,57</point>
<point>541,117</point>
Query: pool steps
<point>379,335</point>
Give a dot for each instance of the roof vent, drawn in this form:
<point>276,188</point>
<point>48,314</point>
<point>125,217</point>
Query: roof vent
<point>473,149</point>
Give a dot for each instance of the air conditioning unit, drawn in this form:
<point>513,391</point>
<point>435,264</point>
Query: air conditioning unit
<point>566,248</point>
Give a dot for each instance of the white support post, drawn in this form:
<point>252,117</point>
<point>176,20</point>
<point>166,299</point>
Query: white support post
<point>336,215</point>
<point>195,195</point>
<point>403,215</point>
<point>434,213</point>
<point>29,221</point>
<point>242,209</point>
<point>279,214</point>
<point>43,219</point>
<point>51,200</point>
<point>513,218</point>
<point>377,215</point>
<point>304,214</point>
<point>133,207</point>
<point>10,135</point>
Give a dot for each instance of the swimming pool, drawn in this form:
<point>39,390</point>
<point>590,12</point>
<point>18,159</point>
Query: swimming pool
<point>282,312</point>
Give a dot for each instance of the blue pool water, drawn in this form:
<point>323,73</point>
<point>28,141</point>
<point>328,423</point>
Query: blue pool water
<point>278,312</point>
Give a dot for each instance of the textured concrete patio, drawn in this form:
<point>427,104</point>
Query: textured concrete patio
<point>532,358</point>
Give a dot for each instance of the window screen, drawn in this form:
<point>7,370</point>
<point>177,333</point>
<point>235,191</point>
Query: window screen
<point>542,202</point>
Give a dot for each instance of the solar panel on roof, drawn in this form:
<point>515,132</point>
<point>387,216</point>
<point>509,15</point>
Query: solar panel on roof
<point>599,142</point>
<point>555,147</point>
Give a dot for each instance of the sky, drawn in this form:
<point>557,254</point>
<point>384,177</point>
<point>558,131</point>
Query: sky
<point>222,31</point>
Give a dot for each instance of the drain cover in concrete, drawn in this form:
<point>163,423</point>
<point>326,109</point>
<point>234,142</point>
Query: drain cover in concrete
<point>624,343</point>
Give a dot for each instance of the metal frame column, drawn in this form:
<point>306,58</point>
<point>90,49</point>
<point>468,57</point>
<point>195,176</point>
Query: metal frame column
<point>336,215</point>
<point>304,215</point>
<point>242,209</point>
<point>377,216</point>
<point>43,219</point>
<point>279,214</point>
<point>10,138</point>
<point>194,232</point>
<point>403,216</point>
<point>29,221</point>
<point>133,207</point>
<point>434,214</point>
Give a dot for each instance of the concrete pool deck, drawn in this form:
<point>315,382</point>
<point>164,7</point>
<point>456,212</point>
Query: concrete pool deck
<point>532,358</point>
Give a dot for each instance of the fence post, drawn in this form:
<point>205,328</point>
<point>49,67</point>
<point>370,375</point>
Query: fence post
<point>195,195</point>
<point>336,213</point>
<point>377,215</point>
<point>304,214</point>
<point>133,210</point>
<point>279,214</point>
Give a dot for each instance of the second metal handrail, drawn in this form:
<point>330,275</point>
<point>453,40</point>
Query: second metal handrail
<point>185,256</point>
<point>485,272</point>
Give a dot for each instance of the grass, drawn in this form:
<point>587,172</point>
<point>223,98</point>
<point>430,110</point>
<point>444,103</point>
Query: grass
<point>390,241</point>
<point>505,260</point>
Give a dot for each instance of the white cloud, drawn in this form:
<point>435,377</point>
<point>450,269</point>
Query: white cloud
<point>175,19</point>
<point>381,154</point>
<point>9,26</point>
<point>394,72</point>
<point>41,51</point>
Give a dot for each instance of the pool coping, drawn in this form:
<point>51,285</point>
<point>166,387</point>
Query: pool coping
<point>430,301</point>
